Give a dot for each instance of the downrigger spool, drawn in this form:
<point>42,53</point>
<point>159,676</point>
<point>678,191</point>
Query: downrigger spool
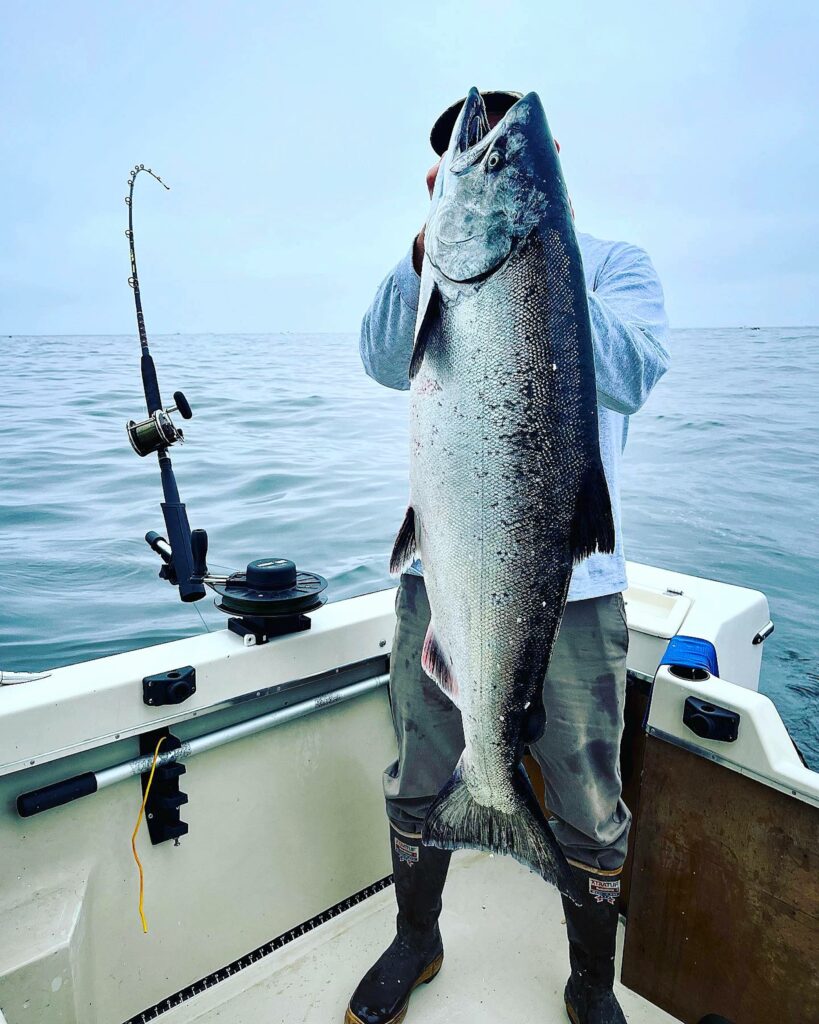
<point>271,597</point>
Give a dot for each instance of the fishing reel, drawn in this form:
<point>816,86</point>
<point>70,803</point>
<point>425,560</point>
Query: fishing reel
<point>270,598</point>
<point>159,430</point>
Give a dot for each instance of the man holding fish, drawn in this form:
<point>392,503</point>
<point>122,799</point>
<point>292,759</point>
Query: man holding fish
<point>526,347</point>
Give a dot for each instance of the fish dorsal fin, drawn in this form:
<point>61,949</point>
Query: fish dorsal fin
<point>429,305</point>
<point>593,525</point>
<point>436,665</point>
<point>403,551</point>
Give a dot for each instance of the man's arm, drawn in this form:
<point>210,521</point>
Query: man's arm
<point>388,327</point>
<point>630,329</point>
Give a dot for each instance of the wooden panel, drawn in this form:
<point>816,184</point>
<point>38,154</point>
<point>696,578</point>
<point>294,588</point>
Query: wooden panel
<point>632,751</point>
<point>536,778</point>
<point>724,909</point>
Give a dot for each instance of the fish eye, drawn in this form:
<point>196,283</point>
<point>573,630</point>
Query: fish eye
<point>494,161</point>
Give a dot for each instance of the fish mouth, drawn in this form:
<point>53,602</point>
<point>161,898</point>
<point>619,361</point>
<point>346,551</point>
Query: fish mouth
<point>473,136</point>
<point>474,123</point>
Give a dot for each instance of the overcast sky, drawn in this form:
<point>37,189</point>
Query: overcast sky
<point>295,141</point>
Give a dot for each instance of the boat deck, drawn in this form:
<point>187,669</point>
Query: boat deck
<point>506,960</point>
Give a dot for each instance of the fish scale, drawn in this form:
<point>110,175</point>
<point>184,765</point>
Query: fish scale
<point>489,490</point>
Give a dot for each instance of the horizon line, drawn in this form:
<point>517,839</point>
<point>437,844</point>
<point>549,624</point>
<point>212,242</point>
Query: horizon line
<point>335,333</point>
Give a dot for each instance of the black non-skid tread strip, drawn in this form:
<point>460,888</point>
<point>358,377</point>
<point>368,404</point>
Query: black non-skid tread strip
<point>258,954</point>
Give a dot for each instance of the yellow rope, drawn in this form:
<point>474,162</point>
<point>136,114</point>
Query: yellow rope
<point>136,829</point>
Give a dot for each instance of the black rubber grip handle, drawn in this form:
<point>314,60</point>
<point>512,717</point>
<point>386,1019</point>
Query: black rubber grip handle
<point>179,537</point>
<point>57,794</point>
<point>199,550</point>
<point>182,405</point>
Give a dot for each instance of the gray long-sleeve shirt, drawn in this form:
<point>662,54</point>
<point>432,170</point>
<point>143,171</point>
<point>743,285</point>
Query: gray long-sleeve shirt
<point>629,330</point>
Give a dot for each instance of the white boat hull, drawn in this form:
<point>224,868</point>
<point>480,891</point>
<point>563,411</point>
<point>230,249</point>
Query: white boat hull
<point>288,822</point>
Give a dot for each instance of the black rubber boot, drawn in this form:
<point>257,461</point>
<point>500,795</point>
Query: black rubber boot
<point>416,953</point>
<point>592,931</point>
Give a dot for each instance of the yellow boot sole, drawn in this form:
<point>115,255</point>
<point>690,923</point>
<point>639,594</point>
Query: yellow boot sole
<point>424,978</point>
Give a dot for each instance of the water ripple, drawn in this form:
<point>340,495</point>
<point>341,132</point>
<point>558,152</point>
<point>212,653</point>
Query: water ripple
<point>309,459</point>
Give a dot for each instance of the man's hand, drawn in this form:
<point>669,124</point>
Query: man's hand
<point>418,247</point>
<point>432,174</point>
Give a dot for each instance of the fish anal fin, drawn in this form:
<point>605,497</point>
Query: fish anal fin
<point>428,308</point>
<point>436,665</point>
<point>403,551</point>
<point>593,523</point>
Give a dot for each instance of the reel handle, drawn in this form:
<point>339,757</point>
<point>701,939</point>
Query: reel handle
<point>182,406</point>
<point>158,544</point>
<point>199,550</point>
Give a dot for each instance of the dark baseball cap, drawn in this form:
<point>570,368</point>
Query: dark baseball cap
<point>496,101</point>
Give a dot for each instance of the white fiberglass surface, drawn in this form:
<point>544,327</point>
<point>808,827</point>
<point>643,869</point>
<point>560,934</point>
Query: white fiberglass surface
<point>506,959</point>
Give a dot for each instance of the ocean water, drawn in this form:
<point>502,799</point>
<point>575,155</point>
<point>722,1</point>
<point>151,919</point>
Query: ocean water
<point>294,451</point>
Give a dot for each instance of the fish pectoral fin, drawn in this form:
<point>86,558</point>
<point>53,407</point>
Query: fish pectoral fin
<point>403,551</point>
<point>428,309</point>
<point>436,665</point>
<point>593,523</point>
<point>456,821</point>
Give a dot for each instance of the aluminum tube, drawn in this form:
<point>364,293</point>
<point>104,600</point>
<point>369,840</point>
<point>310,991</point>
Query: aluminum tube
<point>110,776</point>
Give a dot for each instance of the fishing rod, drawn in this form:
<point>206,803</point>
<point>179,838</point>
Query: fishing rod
<point>271,596</point>
<point>158,433</point>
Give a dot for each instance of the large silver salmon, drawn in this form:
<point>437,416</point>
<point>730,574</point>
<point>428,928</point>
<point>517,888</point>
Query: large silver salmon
<point>507,489</point>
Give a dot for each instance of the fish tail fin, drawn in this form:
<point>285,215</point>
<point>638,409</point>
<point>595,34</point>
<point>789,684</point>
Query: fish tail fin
<point>593,523</point>
<point>456,821</point>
